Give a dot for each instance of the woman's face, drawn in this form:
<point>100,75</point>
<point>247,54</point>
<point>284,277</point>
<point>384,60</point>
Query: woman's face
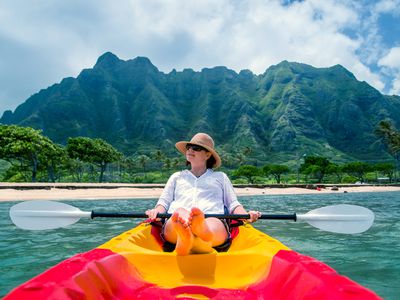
<point>197,156</point>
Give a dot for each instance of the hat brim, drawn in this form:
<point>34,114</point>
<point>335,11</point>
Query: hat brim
<point>181,146</point>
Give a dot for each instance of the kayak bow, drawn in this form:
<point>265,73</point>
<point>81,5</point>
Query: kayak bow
<point>133,266</point>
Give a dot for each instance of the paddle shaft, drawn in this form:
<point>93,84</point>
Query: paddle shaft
<point>219,216</point>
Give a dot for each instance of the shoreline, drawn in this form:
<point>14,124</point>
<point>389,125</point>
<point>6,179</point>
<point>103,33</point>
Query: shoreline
<point>93,191</point>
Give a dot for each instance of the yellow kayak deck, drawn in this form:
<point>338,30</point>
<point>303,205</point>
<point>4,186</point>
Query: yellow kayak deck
<point>247,261</point>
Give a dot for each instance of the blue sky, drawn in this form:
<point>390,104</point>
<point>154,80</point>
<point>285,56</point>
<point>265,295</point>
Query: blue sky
<point>43,41</point>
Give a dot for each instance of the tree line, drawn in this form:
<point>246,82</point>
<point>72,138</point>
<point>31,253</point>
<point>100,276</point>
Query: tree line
<point>31,157</point>
<point>316,169</point>
<point>29,152</point>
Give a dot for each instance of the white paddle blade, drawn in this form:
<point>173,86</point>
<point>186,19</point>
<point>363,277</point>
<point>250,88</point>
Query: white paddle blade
<point>342,218</point>
<point>39,215</point>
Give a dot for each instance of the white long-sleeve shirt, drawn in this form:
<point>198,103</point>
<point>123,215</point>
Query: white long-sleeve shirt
<point>210,192</point>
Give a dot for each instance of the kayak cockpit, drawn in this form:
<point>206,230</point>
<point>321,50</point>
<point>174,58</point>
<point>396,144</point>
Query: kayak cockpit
<point>248,260</point>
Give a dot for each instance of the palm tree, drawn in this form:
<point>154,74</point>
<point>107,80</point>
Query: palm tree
<point>240,158</point>
<point>142,161</point>
<point>159,156</point>
<point>175,163</point>
<point>167,164</point>
<point>391,137</point>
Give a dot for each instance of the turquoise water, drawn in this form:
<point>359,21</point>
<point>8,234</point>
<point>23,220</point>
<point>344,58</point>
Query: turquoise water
<point>371,258</point>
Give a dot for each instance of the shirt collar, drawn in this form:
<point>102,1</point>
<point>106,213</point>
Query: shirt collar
<point>206,173</point>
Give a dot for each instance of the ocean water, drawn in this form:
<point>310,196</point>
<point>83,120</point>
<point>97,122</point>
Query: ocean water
<point>371,258</point>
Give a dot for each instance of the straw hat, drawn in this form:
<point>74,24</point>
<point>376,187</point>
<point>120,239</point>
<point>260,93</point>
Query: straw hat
<point>203,140</point>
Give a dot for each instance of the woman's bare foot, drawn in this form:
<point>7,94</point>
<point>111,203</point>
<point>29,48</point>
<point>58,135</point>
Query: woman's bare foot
<point>184,234</point>
<point>199,226</point>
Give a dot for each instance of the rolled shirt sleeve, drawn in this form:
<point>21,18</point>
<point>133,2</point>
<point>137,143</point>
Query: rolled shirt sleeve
<point>168,194</point>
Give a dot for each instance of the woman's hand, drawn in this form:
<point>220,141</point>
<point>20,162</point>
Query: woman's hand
<point>152,213</point>
<point>254,215</point>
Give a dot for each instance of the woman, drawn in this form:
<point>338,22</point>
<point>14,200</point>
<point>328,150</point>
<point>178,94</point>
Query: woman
<point>190,194</point>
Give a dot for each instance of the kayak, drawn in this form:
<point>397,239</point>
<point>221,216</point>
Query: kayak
<point>133,265</point>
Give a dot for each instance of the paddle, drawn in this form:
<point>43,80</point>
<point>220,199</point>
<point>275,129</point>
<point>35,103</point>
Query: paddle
<point>39,215</point>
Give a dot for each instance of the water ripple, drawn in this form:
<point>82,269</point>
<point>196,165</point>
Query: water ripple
<point>371,258</point>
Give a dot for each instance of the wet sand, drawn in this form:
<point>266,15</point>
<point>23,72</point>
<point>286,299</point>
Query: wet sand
<point>23,192</point>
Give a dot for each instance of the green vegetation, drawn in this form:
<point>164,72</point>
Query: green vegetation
<point>358,169</point>
<point>248,172</point>
<point>26,149</point>
<point>27,155</point>
<point>92,151</point>
<point>276,171</point>
<point>390,136</point>
<point>255,119</point>
<point>316,166</point>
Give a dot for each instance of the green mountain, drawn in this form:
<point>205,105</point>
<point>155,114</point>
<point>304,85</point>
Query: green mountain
<point>290,110</point>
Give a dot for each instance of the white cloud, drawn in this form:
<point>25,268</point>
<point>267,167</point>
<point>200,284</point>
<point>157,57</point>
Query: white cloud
<point>55,39</point>
<point>392,59</point>
<point>396,85</point>
<point>388,6</point>
<point>363,73</point>
<point>253,34</point>
<point>391,65</point>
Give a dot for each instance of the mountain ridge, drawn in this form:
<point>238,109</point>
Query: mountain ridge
<point>289,109</point>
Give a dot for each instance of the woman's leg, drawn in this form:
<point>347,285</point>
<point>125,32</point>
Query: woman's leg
<point>208,229</point>
<point>177,231</point>
<point>184,226</point>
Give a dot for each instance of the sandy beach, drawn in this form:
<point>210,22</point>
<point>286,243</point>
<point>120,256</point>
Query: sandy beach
<point>23,192</point>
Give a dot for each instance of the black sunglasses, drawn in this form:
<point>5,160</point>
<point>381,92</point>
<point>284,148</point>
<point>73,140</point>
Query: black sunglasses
<point>196,148</point>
